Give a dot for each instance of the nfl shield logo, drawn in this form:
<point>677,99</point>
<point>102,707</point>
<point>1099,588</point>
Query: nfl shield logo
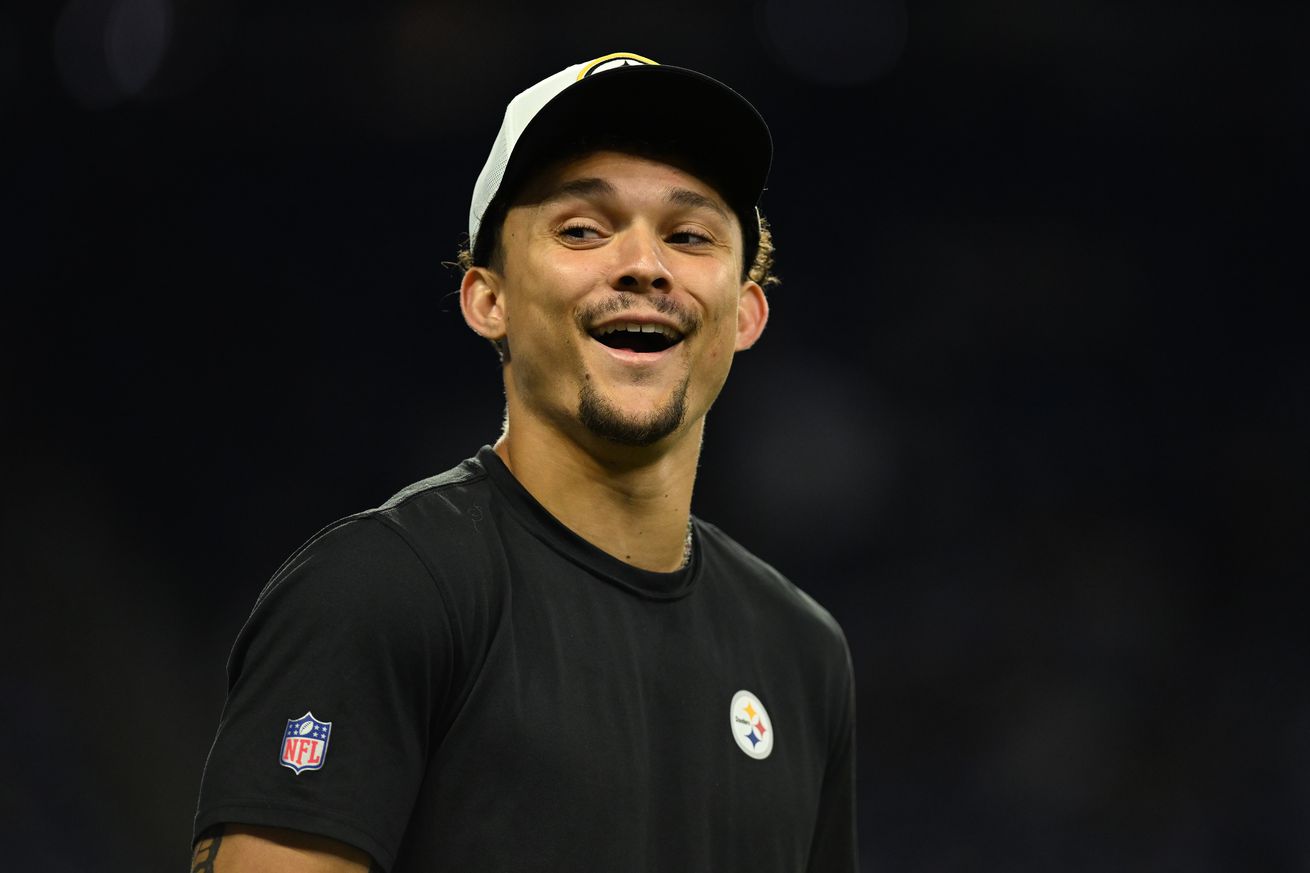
<point>304,745</point>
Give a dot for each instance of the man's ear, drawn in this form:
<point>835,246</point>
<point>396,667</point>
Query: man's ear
<point>481,302</point>
<point>752,315</point>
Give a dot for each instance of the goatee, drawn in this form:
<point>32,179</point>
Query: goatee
<point>605,420</point>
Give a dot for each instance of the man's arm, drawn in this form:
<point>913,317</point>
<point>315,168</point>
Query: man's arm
<point>352,630</point>
<point>239,848</point>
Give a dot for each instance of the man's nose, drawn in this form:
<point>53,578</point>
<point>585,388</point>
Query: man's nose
<point>640,265</point>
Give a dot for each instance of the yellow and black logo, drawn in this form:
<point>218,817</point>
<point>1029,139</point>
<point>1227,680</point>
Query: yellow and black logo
<point>613,62</point>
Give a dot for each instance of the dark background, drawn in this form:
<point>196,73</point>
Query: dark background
<point>1030,418</point>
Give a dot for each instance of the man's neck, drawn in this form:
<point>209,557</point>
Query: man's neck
<point>633,503</point>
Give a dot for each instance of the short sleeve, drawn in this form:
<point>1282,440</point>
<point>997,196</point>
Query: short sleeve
<point>333,686</point>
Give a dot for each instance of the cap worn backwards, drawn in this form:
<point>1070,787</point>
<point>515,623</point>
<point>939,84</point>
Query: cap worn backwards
<point>680,111</point>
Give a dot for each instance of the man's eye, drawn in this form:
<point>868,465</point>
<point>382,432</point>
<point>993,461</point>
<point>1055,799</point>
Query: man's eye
<point>579,231</point>
<point>688,237</point>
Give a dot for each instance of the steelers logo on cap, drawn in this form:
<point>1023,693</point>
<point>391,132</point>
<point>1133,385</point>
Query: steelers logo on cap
<point>613,62</point>
<point>750,725</point>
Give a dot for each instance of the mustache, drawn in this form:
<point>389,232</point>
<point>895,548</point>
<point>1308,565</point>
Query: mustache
<point>688,322</point>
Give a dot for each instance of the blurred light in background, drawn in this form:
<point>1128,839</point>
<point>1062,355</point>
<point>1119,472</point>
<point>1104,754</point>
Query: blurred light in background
<point>109,50</point>
<point>834,42</point>
<point>135,42</point>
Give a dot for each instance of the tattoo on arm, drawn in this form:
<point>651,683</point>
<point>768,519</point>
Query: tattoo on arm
<point>206,851</point>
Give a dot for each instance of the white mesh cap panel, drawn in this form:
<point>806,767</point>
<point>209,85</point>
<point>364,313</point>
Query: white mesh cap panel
<point>521,110</point>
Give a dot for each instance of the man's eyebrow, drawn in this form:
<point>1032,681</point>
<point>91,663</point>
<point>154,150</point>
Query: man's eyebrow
<point>693,200</point>
<point>585,189</point>
<point>594,188</point>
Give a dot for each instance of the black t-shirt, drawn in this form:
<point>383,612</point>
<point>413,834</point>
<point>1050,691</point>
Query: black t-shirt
<point>456,682</point>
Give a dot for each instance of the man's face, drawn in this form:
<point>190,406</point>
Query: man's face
<point>622,298</point>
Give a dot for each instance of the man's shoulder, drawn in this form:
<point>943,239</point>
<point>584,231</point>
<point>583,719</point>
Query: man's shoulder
<point>442,518</point>
<point>422,521</point>
<point>436,493</point>
<point>764,585</point>
<point>438,512</point>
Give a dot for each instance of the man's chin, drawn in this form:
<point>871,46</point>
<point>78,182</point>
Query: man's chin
<point>608,421</point>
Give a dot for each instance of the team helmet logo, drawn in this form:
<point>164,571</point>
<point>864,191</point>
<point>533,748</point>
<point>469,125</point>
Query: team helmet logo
<point>613,62</point>
<point>750,724</point>
<point>305,743</point>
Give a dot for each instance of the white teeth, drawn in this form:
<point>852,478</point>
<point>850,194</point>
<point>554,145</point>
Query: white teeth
<point>634,327</point>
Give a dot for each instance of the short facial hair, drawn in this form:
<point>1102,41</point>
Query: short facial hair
<point>600,416</point>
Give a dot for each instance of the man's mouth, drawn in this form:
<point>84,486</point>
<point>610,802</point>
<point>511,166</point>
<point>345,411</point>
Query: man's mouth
<point>635,337</point>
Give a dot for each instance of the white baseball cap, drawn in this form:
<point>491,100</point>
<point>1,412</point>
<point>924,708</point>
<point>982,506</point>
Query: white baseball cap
<point>678,111</point>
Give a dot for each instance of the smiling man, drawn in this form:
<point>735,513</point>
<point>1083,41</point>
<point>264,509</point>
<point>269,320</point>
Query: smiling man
<point>540,660</point>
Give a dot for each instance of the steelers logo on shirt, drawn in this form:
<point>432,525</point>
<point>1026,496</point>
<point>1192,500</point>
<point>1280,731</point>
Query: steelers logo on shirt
<point>750,725</point>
